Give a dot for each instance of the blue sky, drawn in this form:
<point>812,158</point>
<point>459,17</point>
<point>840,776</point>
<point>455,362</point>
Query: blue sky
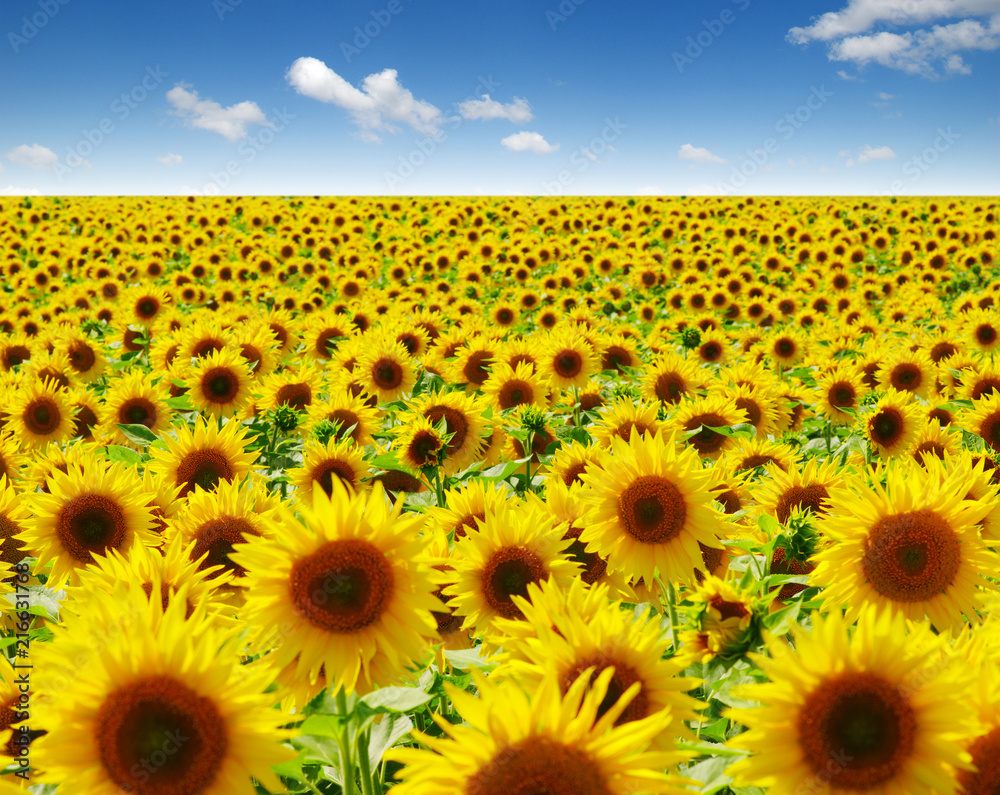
<point>520,97</point>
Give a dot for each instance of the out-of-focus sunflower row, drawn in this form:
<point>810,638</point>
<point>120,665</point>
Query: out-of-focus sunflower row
<point>500,495</point>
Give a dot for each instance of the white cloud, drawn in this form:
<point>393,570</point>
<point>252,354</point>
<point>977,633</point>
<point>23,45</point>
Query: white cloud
<point>10,190</point>
<point>872,153</point>
<point>844,153</point>
<point>883,100</point>
<point>844,76</point>
<point>381,100</point>
<point>486,109</point>
<point>170,160</point>
<point>698,154</point>
<point>528,142</point>
<point>920,52</point>
<point>35,156</point>
<point>206,114</point>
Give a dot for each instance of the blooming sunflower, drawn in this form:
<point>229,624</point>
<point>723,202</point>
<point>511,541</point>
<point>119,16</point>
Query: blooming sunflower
<point>296,387</point>
<point>700,416</point>
<point>907,371</point>
<point>840,388</point>
<point>719,622</point>
<point>570,461</point>
<point>87,512</point>
<point>563,502</point>
<point>868,712</point>
<point>910,546</point>
<point>214,521</point>
<point>135,398</point>
<point>341,592</point>
<point>649,507</point>
<point>473,500</point>
<point>572,641</point>
<point>41,413</point>
<point>984,420</point>
<point>204,457</point>
<point>165,708</point>
<point>219,383</point>
<point>749,454</point>
<point>463,416</point>
<point>624,415</point>
<point>508,387</point>
<point>420,445</point>
<point>567,360</point>
<point>386,369</point>
<point>11,459</point>
<point>321,463</point>
<point>671,378</point>
<point>512,742</point>
<point>14,518</point>
<point>355,418</point>
<point>517,544</point>
<point>892,424</point>
<point>804,487</point>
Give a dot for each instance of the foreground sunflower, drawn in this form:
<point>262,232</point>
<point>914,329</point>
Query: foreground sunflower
<point>868,712</point>
<point>338,594</point>
<point>516,744</point>
<point>649,508</point>
<point>911,546</point>
<point>219,383</point>
<point>164,709</point>
<point>88,511</point>
<point>41,413</point>
<point>892,425</point>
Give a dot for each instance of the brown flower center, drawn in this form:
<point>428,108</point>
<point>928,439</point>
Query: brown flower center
<point>203,468</point>
<point>539,766</point>
<point>90,523</point>
<point>507,573</point>
<point>217,537</point>
<point>652,510</point>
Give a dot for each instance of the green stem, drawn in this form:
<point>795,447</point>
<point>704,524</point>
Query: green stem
<point>672,615</point>
<point>439,487</point>
<point>527,464</point>
<point>826,432</point>
<point>346,760</point>
<point>576,406</point>
<point>367,784</point>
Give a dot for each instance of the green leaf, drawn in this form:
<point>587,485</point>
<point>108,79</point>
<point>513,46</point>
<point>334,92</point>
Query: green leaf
<point>123,455</point>
<point>318,749</point>
<point>137,434</point>
<point>711,774</point>
<point>769,525</point>
<point>180,403</point>
<point>386,734</point>
<point>396,699</point>
<point>468,658</point>
<point>324,725</point>
<point>291,769</point>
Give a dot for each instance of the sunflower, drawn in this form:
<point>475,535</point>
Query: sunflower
<point>86,415</point>
<point>719,623</point>
<point>572,641</point>
<point>420,445</point>
<point>892,424</point>
<point>671,378</point>
<point>624,415</point>
<point>467,506</point>
<point>219,384</point>
<point>135,398</point>
<point>800,487</point>
<point>146,303</point>
<point>513,742</point>
<point>473,361</point>
<point>323,333</point>
<point>14,518</point>
<point>786,347</point>
<point>849,713</point>
<point>910,546</point>
<point>204,457</point>
<point>649,508</point>
<point>463,416</point>
<point>321,463</point>
<point>256,346</point>
<point>907,371</point>
<point>212,522</point>
<point>354,418</point>
<point>984,748</point>
<point>840,388</point>
<point>164,708</point>
<point>698,417</point>
<point>563,502</point>
<point>41,413</point>
<point>983,419</point>
<point>386,369</point>
<point>12,460</point>
<point>982,487</point>
<point>570,461</point>
<point>88,511</point>
<point>981,381</point>
<point>748,454</point>
<point>296,387</point>
<point>934,441</point>
<point>508,387</point>
<point>517,544</point>
<point>567,360</point>
<point>761,408</point>
<point>983,329</point>
<point>340,593</point>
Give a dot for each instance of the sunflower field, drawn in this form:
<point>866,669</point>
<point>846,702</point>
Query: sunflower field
<point>499,496</point>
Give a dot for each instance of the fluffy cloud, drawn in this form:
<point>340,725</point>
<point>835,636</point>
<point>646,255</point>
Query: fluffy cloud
<point>11,190</point>
<point>923,51</point>
<point>871,153</point>
<point>170,160</point>
<point>35,156</point>
<point>205,114</point>
<point>486,109</point>
<point>528,142</point>
<point>698,154</point>
<point>374,108</point>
